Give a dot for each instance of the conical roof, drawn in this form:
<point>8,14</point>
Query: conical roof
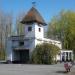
<point>33,16</point>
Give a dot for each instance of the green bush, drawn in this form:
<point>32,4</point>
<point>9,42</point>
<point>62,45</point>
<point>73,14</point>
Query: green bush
<point>2,55</point>
<point>44,54</point>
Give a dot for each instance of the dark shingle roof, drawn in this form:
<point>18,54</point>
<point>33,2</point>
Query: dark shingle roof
<point>33,16</point>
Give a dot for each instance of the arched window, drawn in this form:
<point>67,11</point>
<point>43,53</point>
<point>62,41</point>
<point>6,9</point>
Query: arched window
<point>39,29</point>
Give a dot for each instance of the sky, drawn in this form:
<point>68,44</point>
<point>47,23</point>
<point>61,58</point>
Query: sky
<point>47,8</point>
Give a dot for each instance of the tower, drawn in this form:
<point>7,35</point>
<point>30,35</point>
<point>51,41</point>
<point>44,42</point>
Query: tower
<point>34,24</point>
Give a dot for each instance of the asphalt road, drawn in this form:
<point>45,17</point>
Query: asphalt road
<point>27,69</point>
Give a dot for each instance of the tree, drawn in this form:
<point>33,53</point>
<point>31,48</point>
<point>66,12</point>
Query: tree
<point>44,53</point>
<point>57,25</point>
<point>5,31</point>
<point>63,26</point>
<point>19,25</point>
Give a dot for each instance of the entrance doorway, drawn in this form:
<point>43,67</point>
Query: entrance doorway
<point>21,56</point>
<point>24,56</point>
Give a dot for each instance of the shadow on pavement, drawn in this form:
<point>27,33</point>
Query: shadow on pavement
<point>62,72</point>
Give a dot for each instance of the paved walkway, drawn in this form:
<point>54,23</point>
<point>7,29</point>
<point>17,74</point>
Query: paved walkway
<point>23,69</point>
<point>72,71</point>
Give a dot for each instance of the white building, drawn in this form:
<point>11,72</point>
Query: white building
<point>19,48</point>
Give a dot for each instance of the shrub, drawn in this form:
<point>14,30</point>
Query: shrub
<point>44,54</point>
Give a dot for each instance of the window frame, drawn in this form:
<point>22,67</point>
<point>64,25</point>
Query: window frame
<point>39,29</point>
<point>29,28</point>
<point>21,43</point>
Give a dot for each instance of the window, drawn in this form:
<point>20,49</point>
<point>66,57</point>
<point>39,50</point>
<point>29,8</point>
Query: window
<point>39,29</point>
<point>29,28</point>
<point>21,43</point>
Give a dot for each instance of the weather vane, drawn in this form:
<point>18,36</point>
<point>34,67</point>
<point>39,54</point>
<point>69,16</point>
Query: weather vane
<point>34,4</point>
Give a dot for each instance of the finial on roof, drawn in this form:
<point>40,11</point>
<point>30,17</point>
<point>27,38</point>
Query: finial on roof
<point>34,4</point>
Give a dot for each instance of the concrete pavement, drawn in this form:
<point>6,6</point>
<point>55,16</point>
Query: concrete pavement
<point>28,69</point>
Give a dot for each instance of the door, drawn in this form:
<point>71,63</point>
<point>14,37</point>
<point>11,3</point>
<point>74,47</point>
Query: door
<point>24,56</point>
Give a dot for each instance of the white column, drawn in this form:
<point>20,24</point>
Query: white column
<point>61,56</point>
<point>68,55</point>
<point>11,57</point>
<point>72,55</point>
<point>65,56</point>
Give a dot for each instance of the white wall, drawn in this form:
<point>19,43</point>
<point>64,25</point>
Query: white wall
<point>9,50</point>
<point>38,41</point>
<point>15,43</point>
<point>10,46</point>
<point>35,31</point>
<point>30,33</point>
<point>54,42</point>
<point>38,34</point>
